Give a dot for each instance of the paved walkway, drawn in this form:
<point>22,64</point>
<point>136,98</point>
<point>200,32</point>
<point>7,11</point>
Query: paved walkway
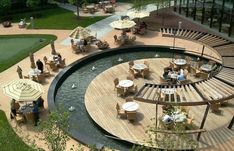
<point>101,28</point>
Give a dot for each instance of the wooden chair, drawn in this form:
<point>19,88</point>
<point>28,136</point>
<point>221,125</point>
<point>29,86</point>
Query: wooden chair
<point>40,78</point>
<point>146,63</point>
<point>129,99</point>
<point>133,89</point>
<point>130,77</point>
<point>131,116</point>
<point>133,72</point>
<point>120,113</point>
<point>131,63</point>
<point>116,82</point>
<point>45,60</point>
<point>202,75</point>
<point>53,66</point>
<point>19,118</point>
<point>145,72</point>
<point>62,64</point>
<point>46,72</point>
<point>29,117</point>
<point>215,107</point>
<point>120,91</point>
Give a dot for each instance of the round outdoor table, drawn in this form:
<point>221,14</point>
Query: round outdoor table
<point>168,91</point>
<point>28,108</point>
<point>125,83</point>
<point>139,66</point>
<point>180,62</point>
<point>34,72</point>
<point>206,67</point>
<point>130,106</point>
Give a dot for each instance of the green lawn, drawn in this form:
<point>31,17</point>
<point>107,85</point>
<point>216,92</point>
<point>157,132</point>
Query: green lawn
<point>9,140</point>
<point>14,48</point>
<point>57,18</point>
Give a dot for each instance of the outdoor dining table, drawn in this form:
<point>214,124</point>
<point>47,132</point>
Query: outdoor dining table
<point>27,108</point>
<point>206,67</point>
<point>180,62</point>
<point>130,106</point>
<point>125,83</point>
<point>34,72</point>
<point>139,66</point>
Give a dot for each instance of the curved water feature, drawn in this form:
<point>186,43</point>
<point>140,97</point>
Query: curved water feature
<point>80,74</point>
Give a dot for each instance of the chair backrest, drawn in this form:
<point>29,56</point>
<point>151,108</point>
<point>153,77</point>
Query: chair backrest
<point>117,107</point>
<point>131,77</point>
<point>115,38</point>
<point>116,81</point>
<point>145,72</point>
<point>131,116</point>
<point>146,63</point>
<point>45,59</point>
<point>120,91</point>
<point>129,99</point>
<point>131,63</point>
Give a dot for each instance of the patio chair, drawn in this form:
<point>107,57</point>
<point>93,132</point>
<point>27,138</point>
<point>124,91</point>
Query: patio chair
<point>145,73</point>
<point>29,117</point>
<point>62,64</point>
<point>133,89</point>
<point>120,91</point>
<point>131,116</point>
<point>130,77</point>
<point>26,77</point>
<point>40,78</point>
<point>146,63</point>
<point>129,99</point>
<point>163,81</point>
<point>53,66</point>
<point>215,107</point>
<point>45,60</point>
<point>131,63</point>
<point>177,57</point>
<point>202,75</point>
<point>132,39</point>
<point>46,72</point>
<point>19,118</point>
<point>116,82</point>
<point>133,72</point>
<point>120,113</point>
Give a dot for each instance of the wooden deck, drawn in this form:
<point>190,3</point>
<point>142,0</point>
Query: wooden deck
<point>101,100</point>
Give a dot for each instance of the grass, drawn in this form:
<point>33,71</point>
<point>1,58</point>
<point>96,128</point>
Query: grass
<point>57,18</point>
<point>9,140</point>
<point>14,48</point>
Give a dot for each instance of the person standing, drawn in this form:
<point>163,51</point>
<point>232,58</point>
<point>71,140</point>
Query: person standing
<point>13,109</point>
<point>35,113</point>
<point>40,65</point>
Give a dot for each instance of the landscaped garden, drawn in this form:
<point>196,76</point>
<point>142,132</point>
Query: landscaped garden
<point>16,47</point>
<point>9,140</point>
<point>56,18</point>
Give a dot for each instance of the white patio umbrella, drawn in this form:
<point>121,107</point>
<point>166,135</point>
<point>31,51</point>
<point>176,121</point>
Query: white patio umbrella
<point>23,90</point>
<point>138,14</point>
<point>122,24</point>
<point>80,33</point>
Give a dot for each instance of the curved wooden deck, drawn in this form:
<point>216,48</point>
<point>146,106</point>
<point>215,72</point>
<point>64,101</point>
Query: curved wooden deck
<point>101,99</point>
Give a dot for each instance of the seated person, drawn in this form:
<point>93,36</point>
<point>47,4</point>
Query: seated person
<point>181,77</point>
<point>165,74</point>
<point>40,102</point>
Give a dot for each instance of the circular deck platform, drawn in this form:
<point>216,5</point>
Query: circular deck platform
<point>101,100</point>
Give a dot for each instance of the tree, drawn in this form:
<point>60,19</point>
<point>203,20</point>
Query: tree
<point>32,3</point>
<point>53,130</point>
<point>4,6</point>
<point>139,5</point>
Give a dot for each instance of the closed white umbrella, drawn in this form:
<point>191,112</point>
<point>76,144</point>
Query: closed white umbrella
<point>23,90</point>
<point>138,14</point>
<point>122,24</point>
<point>80,33</point>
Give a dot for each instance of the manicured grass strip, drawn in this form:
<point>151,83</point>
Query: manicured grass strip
<point>57,18</point>
<point>9,140</point>
<point>14,48</point>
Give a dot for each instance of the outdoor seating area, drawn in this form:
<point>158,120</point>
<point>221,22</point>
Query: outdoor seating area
<point>123,77</point>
